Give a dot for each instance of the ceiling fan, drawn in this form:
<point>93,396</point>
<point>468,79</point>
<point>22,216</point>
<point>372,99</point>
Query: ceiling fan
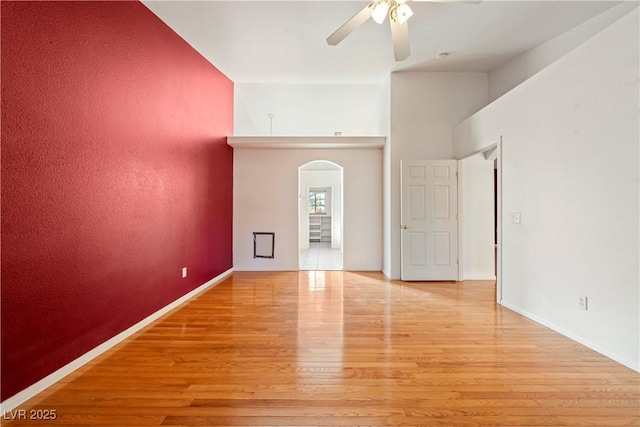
<point>399,12</point>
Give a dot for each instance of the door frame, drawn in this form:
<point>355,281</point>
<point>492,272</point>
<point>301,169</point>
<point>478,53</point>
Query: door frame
<point>499,162</point>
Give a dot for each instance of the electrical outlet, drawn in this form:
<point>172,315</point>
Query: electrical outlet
<point>582,302</point>
<point>515,217</point>
<point>184,272</point>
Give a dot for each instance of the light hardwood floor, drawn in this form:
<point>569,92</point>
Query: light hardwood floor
<point>341,348</point>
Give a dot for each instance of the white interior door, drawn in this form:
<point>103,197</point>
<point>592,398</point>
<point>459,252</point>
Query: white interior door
<point>429,210</point>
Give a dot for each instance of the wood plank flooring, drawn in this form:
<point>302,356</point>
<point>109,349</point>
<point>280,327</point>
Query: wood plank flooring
<point>343,349</point>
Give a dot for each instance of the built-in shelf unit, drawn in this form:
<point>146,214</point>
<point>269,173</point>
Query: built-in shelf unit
<point>320,228</point>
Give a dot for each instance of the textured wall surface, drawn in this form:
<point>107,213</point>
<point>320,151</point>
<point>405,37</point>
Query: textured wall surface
<point>115,175</point>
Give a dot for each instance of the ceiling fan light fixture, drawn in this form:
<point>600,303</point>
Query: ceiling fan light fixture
<point>402,13</point>
<point>380,11</point>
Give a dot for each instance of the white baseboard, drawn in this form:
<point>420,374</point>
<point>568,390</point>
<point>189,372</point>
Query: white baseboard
<point>635,365</point>
<point>26,394</point>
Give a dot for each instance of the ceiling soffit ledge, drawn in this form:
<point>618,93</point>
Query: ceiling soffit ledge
<point>332,142</point>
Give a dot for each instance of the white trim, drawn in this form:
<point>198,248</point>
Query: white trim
<point>499,225</point>
<point>460,221</point>
<point>306,141</point>
<point>26,394</point>
<point>635,365</point>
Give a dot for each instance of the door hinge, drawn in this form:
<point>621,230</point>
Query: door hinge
<point>458,261</point>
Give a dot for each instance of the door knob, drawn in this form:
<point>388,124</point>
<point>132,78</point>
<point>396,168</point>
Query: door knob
<point>406,227</point>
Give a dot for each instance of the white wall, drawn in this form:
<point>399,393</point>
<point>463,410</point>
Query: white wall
<point>331,179</point>
<point>386,184</point>
<point>424,109</point>
<point>570,158</point>
<point>476,216</point>
<point>504,78</point>
<point>309,110</point>
<point>265,194</point>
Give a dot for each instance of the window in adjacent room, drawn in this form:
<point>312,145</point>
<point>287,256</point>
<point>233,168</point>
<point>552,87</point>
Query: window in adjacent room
<point>317,202</point>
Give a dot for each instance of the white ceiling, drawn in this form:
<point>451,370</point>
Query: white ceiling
<point>284,41</point>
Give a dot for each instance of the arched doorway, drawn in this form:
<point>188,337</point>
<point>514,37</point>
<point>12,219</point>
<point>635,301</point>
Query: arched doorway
<point>320,216</point>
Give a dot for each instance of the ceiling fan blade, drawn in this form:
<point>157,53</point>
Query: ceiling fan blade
<point>348,27</point>
<point>400,37</point>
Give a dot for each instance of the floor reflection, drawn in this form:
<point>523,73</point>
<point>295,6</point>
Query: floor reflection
<point>320,316</point>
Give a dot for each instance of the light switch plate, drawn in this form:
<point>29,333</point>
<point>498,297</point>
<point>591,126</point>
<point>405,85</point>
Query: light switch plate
<point>582,302</point>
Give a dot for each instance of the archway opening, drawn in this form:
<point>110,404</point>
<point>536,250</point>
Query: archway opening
<point>320,216</point>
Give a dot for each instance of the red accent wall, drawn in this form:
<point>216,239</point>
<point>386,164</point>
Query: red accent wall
<point>115,175</point>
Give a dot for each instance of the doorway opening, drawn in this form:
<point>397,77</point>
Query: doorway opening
<point>480,216</point>
<point>320,218</point>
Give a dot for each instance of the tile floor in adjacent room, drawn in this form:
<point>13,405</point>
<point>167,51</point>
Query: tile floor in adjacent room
<point>320,256</point>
